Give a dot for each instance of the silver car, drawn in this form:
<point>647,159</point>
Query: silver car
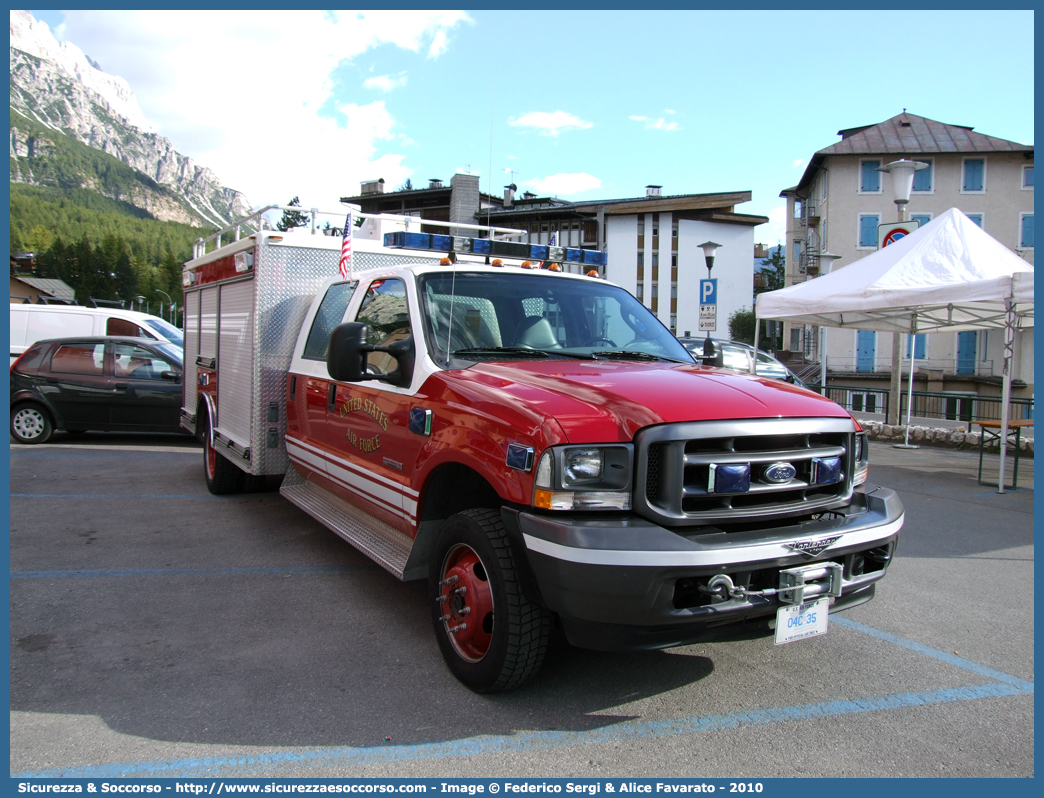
<point>737,356</point>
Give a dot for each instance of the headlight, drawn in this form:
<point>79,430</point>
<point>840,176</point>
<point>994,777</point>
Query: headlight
<point>860,458</point>
<point>584,478</point>
<point>581,466</point>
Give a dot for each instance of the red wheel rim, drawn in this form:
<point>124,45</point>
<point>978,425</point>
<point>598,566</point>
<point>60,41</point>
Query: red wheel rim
<point>209,456</point>
<point>466,600</point>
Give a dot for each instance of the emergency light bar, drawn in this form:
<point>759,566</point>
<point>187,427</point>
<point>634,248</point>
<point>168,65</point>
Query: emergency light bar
<point>434,242</point>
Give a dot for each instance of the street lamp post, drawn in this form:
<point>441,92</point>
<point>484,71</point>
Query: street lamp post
<point>902,172</point>
<point>826,260</point>
<point>169,301</point>
<point>709,250</point>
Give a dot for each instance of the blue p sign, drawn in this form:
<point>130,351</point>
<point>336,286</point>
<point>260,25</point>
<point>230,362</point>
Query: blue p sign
<point>709,291</point>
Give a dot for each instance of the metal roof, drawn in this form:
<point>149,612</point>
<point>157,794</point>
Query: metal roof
<point>908,133</point>
<point>55,288</point>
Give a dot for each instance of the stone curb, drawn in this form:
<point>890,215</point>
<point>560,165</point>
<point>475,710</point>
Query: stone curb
<point>958,438</point>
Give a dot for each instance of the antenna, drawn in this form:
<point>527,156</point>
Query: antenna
<point>489,178</point>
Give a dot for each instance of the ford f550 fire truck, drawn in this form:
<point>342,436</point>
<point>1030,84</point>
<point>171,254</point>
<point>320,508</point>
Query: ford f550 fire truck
<point>535,444</point>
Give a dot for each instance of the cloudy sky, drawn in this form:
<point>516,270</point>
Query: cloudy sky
<point>577,104</point>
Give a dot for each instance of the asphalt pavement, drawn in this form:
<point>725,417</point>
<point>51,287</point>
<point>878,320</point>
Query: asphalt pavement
<point>157,630</point>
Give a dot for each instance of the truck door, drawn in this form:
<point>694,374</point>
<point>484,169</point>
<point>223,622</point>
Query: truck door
<point>367,422</point>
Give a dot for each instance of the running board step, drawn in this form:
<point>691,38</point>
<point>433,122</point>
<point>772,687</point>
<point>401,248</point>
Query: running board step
<point>386,546</point>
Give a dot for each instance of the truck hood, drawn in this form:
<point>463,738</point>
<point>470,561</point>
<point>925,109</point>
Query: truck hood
<point>610,400</point>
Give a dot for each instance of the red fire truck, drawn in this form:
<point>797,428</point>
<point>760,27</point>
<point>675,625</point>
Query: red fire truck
<point>534,443</point>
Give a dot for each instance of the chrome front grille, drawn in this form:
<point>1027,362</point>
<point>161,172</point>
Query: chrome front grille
<point>675,463</point>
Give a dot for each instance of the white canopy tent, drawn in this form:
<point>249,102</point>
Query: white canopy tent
<point>947,276</point>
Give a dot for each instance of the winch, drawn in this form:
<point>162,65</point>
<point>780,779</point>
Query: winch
<point>796,585</point>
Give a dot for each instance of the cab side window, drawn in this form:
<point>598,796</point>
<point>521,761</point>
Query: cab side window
<point>138,363</point>
<point>386,315</point>
<point>114,326</point>
<point>79,359</point>
<point>331,311</point>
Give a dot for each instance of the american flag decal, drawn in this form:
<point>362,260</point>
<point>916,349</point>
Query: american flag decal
<point>345,264</point>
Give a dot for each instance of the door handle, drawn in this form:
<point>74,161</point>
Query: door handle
<point>122,386</point>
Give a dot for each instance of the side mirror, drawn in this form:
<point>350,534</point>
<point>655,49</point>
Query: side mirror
<point>346,357</point>
<point>713,355</point>
<point>173,376</point>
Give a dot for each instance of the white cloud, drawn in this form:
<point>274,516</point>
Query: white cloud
<point>657,124</point>
<point>564,185</point>
<point>385,83</point>
<point>799,164</point>
<point>669,111</point>
<point>263,133</point>
<point>550,124</point>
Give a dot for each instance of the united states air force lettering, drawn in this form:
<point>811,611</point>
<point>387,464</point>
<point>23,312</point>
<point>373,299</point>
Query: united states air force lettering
<point>357,404</point>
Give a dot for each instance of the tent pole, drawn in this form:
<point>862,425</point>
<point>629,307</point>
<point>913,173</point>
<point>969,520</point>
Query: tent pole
<point>912,340</point>
<point>909,395</point>
<point>1009,339</point>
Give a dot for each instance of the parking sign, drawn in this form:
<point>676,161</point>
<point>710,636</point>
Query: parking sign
<point>709,304</point>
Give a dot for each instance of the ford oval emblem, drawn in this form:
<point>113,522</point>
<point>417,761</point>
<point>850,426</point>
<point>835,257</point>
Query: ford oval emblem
<point>780,473</point>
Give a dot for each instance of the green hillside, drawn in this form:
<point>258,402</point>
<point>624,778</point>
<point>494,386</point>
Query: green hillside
<point>56,160</point>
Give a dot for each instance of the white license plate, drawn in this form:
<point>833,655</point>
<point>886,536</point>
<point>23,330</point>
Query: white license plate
<point>798,621</point>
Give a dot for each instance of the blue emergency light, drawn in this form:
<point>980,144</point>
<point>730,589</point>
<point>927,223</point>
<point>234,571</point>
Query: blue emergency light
<point>432,242</point>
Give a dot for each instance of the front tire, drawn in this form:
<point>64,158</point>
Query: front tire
<point>490,635</point>
<point>222,476</point>
<point>31,423</point>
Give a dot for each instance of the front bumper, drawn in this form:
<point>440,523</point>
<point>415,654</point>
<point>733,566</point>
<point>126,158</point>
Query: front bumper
<point>628,584</point>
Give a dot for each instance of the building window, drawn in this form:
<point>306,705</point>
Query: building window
<point>674,323</point>
<point>641,228</point>
<point>674,261</point>
<point>921,218</point>
<point>1026,231</point>
<point>674,291</point>
<point>919,347</point>
<point>1027,176</point>
<point>923,179</point>
<point>797,252</point>
<point>795,339</point>
<point>655,291</point>
<point>656,229</point>
<point>824,183</point>
<point>656,259</point>
<point>641,259</point>
<point>869,177</point>
<point>674,228</point>
<point>974,175</point>
<point>975,217</point>
<point>640,293</point>
<point>868,229</point>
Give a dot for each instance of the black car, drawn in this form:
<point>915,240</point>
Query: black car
<point>95,383</point>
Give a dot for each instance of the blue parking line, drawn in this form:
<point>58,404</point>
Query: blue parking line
<point>248,570</point>
<point>233,766</point>
<point>114,496</point>
<point>942,656</point>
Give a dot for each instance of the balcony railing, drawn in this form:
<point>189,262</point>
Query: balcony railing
<point>950,405</point>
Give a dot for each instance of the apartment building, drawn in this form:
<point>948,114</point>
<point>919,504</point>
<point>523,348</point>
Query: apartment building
<point>842,198</point>
<point>652,242</point>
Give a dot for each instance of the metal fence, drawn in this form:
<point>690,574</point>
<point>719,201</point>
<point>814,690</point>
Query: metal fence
<point>951,405</point>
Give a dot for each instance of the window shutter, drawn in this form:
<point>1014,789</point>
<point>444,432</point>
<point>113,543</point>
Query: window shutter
<point>973,174</point>
<point>923,180</point>
<point>1027,230</point>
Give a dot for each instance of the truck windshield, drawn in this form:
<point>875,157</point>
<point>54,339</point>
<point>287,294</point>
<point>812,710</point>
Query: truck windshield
<point>477,312</point>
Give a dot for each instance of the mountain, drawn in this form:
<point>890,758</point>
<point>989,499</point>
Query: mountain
<point>59,94</point>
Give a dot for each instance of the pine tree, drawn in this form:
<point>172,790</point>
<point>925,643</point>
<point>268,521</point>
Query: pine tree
<point>293,218</point>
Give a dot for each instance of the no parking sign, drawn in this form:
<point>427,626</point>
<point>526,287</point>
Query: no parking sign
<point>890,233</point>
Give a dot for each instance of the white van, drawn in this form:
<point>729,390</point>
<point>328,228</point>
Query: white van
<point>32,323</point>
